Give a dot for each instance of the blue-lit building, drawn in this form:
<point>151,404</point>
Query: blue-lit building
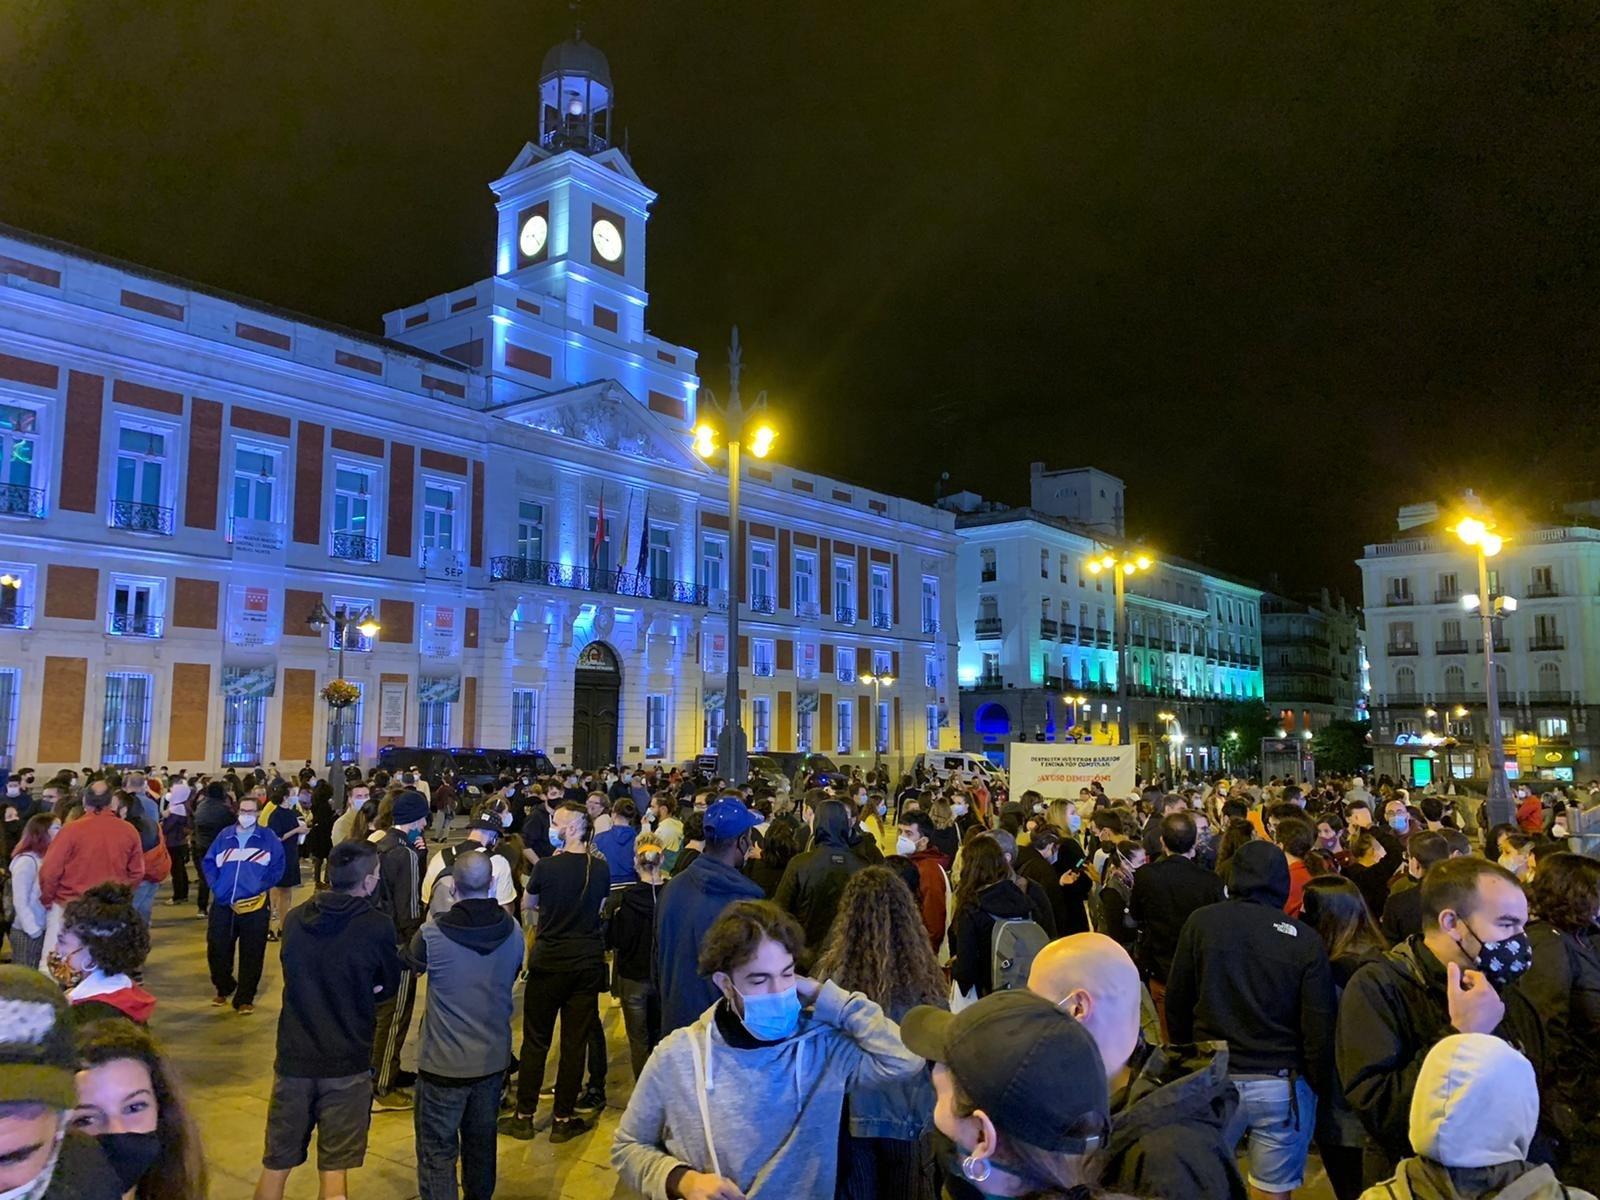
<point>504,479</point>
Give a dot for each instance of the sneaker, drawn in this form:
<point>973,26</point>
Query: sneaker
<point>590,1100</point>
<point>272,935</point>
<point>218,1000</point>
<point>517,1126</point>
<point>564,1129</point>
<point>394,1100</point>
<point>244,1010</point>
<point>172,903</point>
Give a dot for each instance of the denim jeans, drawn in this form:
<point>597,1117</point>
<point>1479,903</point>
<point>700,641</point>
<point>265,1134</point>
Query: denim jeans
<point>451,1123</point>
<point>144,899</point>
<point>1280,1125</point>
<point>641,1015</point>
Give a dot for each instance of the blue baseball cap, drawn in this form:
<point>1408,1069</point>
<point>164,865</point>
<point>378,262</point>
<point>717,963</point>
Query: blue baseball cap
<point>727,819</point>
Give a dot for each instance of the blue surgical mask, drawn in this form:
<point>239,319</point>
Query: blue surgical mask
<point>772,1016</point>
<point>1398,822</point>
<point>556,839</point>
<point>1074,822</point>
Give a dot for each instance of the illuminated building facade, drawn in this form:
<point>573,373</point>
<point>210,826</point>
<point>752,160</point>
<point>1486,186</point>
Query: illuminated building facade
<point>504,479</point>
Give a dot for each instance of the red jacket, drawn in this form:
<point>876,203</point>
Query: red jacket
<point>1299,876</point>
<point>1530,815</point>
<point>99,847</point>
<point>930,873</point>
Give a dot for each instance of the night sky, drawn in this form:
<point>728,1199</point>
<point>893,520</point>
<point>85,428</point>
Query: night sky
<point>1281,266</point>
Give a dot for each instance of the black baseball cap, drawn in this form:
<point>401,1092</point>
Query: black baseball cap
<point>1033,1068</point>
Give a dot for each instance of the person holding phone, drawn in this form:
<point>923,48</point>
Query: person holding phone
<point>1056,864</point>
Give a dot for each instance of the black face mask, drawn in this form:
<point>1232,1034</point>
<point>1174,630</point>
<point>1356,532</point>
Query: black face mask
<point>131,1155</point>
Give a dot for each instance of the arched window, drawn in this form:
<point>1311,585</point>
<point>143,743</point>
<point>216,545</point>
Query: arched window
<point>1405,681</point>
<point>1549,677</point>
<point>992,721</point>
<point>1455,681</point>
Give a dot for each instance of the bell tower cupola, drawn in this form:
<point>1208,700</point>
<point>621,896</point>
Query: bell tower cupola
<point>575,98</point>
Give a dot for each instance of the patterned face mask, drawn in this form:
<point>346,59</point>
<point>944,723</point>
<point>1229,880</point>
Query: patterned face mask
<point>1504,962</point>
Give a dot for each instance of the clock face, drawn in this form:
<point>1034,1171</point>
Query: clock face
<point>534,232</point>
<point>607,240</point>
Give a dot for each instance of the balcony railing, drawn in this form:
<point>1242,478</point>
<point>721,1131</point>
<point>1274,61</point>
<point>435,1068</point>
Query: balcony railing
<point>806,610</point>
<point>1502,645</point>
<point>930,625</point>
<point>140,518</point>
<point>1549,697</point>
<point>1447,596</point>
<point>1458,646</point>
<point>1402,698</point>
<point>134,625</point>
<point>1396,598</point>
<point>1547,642</point>
<point>1401,649</point>
<point>986,627</point>
<point>353,547</point>
<point>881,620</point>
<point>1052,683</point>
<point>1049,629</point>
<point>843,615</point>
<point>17,616</point>
<point>537,571</point>
<point>988,575</point>
<point>991,680</point>
<point>764,604</point>
<point>1542,590</point>
<point>19,500</point>
<point>1102,638</point>
<point>1069,633</point>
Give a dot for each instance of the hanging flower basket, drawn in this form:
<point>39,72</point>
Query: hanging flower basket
<point>341,693</point>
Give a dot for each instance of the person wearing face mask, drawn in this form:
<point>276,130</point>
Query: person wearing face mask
<point>41,1157</point>
<point>914,842</point>
<point>212,815</point>
<point>668,828</point>
<point>103,944</point>
<point>773,1043</point>
<point>1454,977</point>
<point>566,974</point>
<point>27,927</point>
<point>1530,810</point>
<point>401,852</point>
<point>242,864</point>
<point>630,924</point>
<point>98,848</point>
<point>438,892</point>
<point>130,1101</point>
<point>339,962</point>
<point>352,822</point>
<point>288,822</point>
<point>1170,1105</point>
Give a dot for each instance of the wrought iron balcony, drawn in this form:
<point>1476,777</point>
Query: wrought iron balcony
<point>353,547</point>
<point>1068,632</point>
<point>807,610</point>
<point>17,616</point>
<point>141,518</point>
<point>844,616</point>
<point>988,575</point>
<point>986,627</point>
<point>1541,589</point>
<point>930,625</point>
<point>1049,629</point>
<point>19,500</point>
<point>881,620</point>
<point>137,625</point>
<point>1502,645</point>
<point>1400,649</point>
<point>1397,598</point>
<point>1402,699</point>
<point>1447,596</point>
<point>510,569</point>
<point>1547,642</point>
<point>1559,698</point>
<point>992,680</point>
<point>764,604</point>
<point>1457,646</point>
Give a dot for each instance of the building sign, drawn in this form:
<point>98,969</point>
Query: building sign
<point>438,638</point>
<point>260,680</point>
<point>392,709</point>
<point>259,540</point>
<point>250,615</point>
<point>433,689</point>
<point>443,565</point>
<point>1058,771</point>
<point>595,657</point>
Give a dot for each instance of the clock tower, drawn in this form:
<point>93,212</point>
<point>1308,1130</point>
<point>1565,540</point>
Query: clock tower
<point>572,212</point>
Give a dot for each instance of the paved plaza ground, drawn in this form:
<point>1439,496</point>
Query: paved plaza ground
<point>226,1063</point>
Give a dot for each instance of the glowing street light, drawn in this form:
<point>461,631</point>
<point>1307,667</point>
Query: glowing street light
<point>341,618</point>
<point>876,683</point>
<point>1121,564</point>
<point>1481,534</point>
<point>740,424</point>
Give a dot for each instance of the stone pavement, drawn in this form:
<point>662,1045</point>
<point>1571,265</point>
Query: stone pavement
<point>226,1065</point>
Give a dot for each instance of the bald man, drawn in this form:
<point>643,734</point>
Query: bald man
<point>1170,1104</point>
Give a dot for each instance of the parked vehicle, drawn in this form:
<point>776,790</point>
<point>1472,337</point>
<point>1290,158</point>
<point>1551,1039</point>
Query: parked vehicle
<point>816,770</point>
<point>472,766</point>
<point>961,765</point>
<point>765,770</point>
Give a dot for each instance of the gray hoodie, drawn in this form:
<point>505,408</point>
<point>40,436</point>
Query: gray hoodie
<point>767,1118</point>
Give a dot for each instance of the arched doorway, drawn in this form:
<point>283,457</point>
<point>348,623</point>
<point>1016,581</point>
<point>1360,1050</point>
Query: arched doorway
<point>596,702</point>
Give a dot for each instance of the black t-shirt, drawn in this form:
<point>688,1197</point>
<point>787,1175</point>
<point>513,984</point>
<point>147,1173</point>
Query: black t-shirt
<point>571,889</point>
<point>536,831</point>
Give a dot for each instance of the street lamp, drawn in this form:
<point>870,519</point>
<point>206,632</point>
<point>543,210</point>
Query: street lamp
<point>1481,536</point>
<point>1174,740</point>
<point>876,682</point>
<point>341,619</point>
<point>1078,703</point>
<point>739,423</point>
<point>1121,564</point>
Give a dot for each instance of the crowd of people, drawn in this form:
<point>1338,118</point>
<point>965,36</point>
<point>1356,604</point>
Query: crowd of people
<point>858,988</point>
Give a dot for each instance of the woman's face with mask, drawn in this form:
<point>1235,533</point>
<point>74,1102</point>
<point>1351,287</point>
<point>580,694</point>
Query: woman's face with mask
<point>116,1097</point>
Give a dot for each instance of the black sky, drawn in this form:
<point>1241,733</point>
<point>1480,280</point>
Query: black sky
<point>1281,265</point>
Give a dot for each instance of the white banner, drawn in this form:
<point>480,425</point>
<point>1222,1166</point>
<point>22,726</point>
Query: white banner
<point>392,710</point>
<point>260,540</point>
<point>445,570</point>
<point>250,615</point>
<point>438,631</point>
<point>1058,771</point>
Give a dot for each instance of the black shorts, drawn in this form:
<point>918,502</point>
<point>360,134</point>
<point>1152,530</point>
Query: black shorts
<point>340,1110</point>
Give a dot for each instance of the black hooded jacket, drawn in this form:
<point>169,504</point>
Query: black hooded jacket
<point>813,881</point>
<point>1169,1126</point>
<point>1247,974</point>
<point>972,932</point>
<point>337,949</point>
<point>630,915</point>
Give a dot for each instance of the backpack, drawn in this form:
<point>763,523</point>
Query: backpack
<point>443,897</point>
<point>1012,948</point>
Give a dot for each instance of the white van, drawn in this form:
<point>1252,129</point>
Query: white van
<point>961,765</point>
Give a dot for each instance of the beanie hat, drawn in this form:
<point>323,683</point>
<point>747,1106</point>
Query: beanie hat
<point>410,806</point>
<point>38,1054</point>
<point>1475,1104</point>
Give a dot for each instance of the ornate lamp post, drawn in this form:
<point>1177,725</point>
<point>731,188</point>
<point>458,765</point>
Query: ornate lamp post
<point>340,694</point>
<point>739,423</point>
<point>1121,564</point>
<point>1480,535</point>
<point>876,682</point>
